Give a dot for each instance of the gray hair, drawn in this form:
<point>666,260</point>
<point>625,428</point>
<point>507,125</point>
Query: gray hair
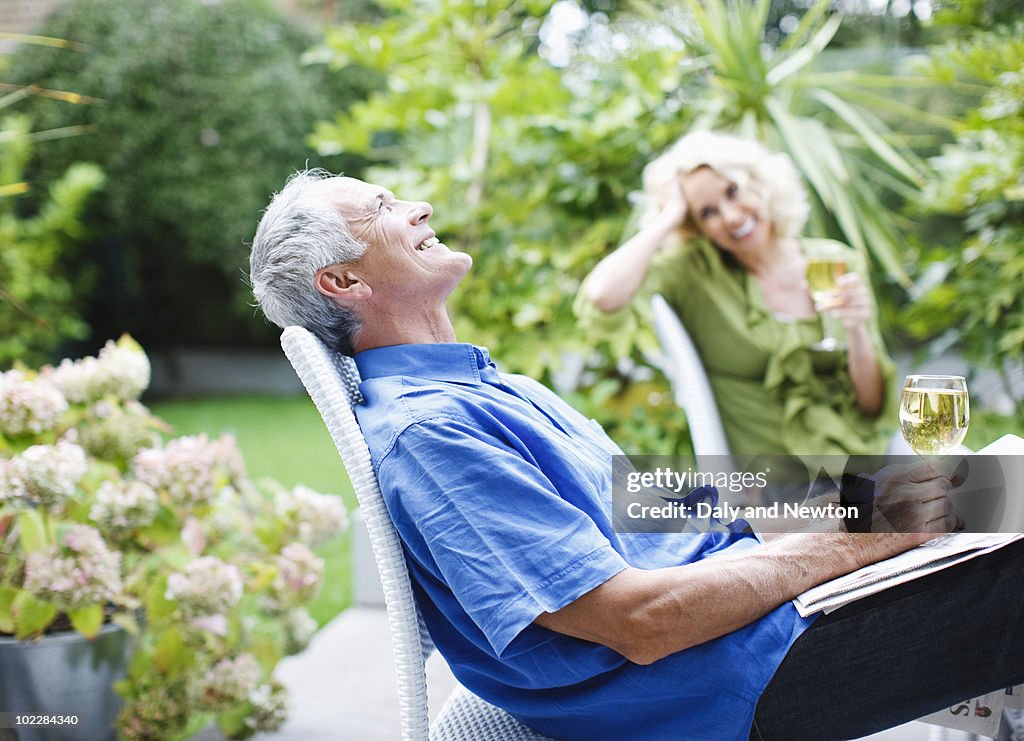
<point>771,175</point>
<point>299,234</point>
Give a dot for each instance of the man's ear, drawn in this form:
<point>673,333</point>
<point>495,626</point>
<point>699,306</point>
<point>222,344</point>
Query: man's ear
<point>341,285</point>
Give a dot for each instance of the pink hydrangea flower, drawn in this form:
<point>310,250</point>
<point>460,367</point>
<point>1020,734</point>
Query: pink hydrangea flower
<point>78,572</point>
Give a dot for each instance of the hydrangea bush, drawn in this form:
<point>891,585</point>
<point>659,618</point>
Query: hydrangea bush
<point>103,520</point>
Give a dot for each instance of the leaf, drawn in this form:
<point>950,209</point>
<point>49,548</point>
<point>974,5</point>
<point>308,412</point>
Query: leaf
<point>170,651</point>
<point>177,556</point>
<point>164,530</point>
<point>266,651</point>
<point>127,621</point>
<point>805,55</point>
<point>809,19</point>
<point>87,620</point>
<point>7,595</point>
<point>859,124</point>
<point>157,605</point>
<point>32,531</point>
<point>232,722</point>
<point>31,615</point>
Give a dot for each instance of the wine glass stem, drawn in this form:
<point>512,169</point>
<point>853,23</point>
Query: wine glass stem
<point>828,335</point>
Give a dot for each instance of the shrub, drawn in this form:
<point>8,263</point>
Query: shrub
<point>100,521</point>
<point>40,298</point>
<point>205,108</point>
<point>977,299</point>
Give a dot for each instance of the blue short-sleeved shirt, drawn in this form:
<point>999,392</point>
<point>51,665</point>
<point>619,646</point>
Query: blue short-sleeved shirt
<point>501,494</point>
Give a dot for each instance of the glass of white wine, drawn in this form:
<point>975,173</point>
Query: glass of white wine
<point>935,412</point>
<point>825,263</point>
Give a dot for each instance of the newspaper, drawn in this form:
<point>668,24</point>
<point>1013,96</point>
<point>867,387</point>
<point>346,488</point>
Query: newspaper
<point>979,715</point>
<point>936,554</point>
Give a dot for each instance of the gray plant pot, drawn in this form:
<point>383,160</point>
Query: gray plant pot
<point>64,674</point>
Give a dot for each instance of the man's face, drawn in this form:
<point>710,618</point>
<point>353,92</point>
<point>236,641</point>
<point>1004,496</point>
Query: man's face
<point>403,258</point>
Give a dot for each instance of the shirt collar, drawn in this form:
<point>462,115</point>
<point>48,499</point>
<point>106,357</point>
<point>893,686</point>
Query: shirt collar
<point>456,361</point>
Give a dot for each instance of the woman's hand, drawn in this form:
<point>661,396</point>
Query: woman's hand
<point>853,306</point>
<point>617,278</point>
<point>851,303</point>
<point>672,202</point>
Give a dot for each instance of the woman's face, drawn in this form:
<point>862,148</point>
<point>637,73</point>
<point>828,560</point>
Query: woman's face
<point>730,216</point>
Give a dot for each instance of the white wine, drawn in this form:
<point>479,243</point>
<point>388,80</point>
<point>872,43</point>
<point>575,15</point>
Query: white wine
<point>934,421</point>
<point>822,273</point>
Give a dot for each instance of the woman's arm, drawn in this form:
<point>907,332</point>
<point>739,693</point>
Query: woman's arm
<point>855,310</point>
<point>618,277</point>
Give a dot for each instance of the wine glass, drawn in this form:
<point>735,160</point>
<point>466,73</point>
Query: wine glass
<point>935,412</point>
<point>825,263</point>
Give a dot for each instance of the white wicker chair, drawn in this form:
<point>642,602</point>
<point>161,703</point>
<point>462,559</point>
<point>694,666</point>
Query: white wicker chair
<point>684,369</point>
<point>333,383</point>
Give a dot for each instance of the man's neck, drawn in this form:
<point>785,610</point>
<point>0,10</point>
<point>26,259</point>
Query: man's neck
<point>382,330</point>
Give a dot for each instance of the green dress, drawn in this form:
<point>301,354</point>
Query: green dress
<point>774,393</point>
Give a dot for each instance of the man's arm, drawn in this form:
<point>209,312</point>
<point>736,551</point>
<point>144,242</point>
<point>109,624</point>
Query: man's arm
<point>647,615</point>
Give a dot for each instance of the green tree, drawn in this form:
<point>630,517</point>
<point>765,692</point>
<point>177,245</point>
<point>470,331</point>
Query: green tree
<point>976,302</point>
<point>529,168</point>
<point>205,107</point>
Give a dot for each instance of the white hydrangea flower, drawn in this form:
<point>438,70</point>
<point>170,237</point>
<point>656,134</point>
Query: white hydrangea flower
<point>45,476</point>
<point>269,704</point>
<point>314,518</point>
<point>78,572</point>
<point>299,629</point>
<point>124,505</point>
<point>299,573</point>
<point>208,586</point>
<point>121,369</point>
<point>112,432</point>
<point>126,369</point>
<point>230,681</point>
<point>191,469</point>
<point>28,406</point>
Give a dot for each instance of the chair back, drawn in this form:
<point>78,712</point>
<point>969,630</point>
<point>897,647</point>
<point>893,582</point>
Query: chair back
<point>691,389</point>
<point>332,381</point>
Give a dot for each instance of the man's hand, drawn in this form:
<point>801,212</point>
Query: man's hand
<point>646,615</point>
<point>913,498</point>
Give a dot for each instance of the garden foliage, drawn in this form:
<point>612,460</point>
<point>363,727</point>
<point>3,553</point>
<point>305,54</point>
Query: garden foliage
<point>203,110</point>
<point>530,160</point>
<point>976,302</point>
<point>529,168</point>
<point>103,520</point>
<point>40,296</point>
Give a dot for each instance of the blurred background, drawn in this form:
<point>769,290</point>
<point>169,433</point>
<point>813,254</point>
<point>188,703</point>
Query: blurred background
<point>139,141</point>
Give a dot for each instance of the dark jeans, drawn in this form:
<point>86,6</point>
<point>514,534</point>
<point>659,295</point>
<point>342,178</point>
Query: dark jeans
<point>900,654</point>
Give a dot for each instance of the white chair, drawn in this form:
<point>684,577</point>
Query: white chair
<point>691,389</point>
<point>333,383</point>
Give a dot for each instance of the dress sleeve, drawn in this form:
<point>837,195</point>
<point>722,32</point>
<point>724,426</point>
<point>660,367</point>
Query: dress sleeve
<point>672,273</point>
<point>487,522</point>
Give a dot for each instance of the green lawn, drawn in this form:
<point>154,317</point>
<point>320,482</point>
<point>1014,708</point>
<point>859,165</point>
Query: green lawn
<point>284,438</point>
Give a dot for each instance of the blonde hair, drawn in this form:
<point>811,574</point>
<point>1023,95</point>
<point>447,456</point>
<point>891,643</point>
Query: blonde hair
<point>771,176</point>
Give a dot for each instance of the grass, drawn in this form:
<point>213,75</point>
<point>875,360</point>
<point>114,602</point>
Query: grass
<point>282,437</point>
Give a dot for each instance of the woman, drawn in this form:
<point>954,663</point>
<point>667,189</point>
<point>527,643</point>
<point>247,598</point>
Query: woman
<point>721,241</point>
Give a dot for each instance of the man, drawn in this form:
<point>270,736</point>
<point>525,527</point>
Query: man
<point>500,492</point>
